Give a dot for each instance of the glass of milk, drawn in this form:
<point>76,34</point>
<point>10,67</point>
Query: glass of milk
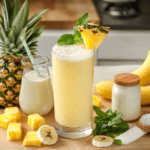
<point>36,95</point>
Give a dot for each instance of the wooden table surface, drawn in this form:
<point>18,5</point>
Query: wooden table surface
<point>104,73</point>
<point>63,14</point>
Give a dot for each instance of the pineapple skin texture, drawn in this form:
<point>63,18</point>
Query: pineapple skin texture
<point>13,111</point>
<point>10,84</point>
<point>35,121</point>
<point>5,120</point>
<point>31,139</point>
<point>14,132</point>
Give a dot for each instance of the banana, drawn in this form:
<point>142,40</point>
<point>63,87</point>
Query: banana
<point>102,141</point>
<point>104,88</point>
<point>144,71</point>
<point>47,135</point>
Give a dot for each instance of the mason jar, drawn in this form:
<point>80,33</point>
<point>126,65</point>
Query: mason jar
<point>126,96</point>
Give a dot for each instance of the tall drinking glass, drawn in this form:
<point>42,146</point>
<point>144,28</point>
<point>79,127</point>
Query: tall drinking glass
<point>73,72</point>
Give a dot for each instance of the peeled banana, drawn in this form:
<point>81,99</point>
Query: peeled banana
<point>102,141</point>
<point>47,135</point>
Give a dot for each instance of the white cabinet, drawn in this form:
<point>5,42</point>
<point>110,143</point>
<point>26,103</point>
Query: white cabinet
<point>118,45</point>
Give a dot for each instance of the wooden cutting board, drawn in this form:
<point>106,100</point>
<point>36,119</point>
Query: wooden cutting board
<point>71,144</point>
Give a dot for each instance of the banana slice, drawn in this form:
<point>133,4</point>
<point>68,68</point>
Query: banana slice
<point>47,135</point>
<point>102,141</point>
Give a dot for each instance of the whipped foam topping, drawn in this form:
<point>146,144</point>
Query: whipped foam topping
<point>72,51</point>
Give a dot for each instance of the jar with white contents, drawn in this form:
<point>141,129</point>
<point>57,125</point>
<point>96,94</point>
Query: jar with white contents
<point>126,96</point>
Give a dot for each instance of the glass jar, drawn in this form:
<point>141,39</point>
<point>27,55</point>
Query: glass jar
<point>126,96</point>
<point>36,95</point>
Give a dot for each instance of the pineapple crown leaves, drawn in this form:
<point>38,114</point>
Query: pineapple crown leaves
<point>15,23</point>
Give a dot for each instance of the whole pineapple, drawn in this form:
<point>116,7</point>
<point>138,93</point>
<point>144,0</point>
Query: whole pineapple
<point>14,24</point>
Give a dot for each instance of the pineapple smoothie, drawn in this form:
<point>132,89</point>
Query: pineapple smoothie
<point>73,72</point>
<point>36,95</point>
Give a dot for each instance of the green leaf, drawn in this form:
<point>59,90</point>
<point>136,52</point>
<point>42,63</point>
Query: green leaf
<point>2,20</point>
<point>66,39</point>
<point>118,142</point>
<point>20,46</point>
<point>1,37</point>
<point>37,30</point>
<point>99,112</point>
<point>34,37</point>
<point>33,25</point>
<point>36,17</point>
<point>98,129</point>
<point>15,10</point>
<point>21,18</point>
<point>109,122</point>
<point>109,111</point>
<point>5,18</point>
<point>12,46</point>
<point>15,50</point>
<point>115,120</point>
<point>23,31</point>
<point>122,127</point>
<point>11,36</point>
<point>7,42</point>
<point>77,39</point>
<point>111,134</point>
<point>118,133</point>
<point>82,20</point>
<point>34,44</point>
<point>7,7</point>
<point>77,33</point>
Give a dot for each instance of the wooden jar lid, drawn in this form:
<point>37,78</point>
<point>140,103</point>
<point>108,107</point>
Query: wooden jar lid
<point>127,79</point>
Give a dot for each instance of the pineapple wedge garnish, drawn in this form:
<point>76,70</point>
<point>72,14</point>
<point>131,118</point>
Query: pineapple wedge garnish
<point>93,34</point>
<point>14,132</point>
<point>13,111</point>
<point>31,139</point>
<point>97,101</point>
<point>5,120</point>
<point>35,121</point>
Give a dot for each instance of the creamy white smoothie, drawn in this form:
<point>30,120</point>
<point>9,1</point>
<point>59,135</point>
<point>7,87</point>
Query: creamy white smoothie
<point>36,95</point>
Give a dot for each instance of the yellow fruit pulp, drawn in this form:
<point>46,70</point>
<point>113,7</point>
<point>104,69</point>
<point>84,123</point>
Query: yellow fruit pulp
<point>92,40</point>
<point>97,101</point>
<point>31,139</point>
<point>14,131</point>
<point>13,111</point>
<point>35,121</point>
<point>6,119</point>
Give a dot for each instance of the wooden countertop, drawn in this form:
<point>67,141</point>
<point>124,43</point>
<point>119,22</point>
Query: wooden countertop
<point>63,14</point>
<point>100,73</point>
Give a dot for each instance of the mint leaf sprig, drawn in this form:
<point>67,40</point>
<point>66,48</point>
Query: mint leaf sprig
<point>70,39</point>
<point>109,122</point>
<point>118,142</point>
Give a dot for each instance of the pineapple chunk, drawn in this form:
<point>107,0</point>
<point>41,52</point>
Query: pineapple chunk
<point>14,131</point>
<point>97,101</point>
<point>13,111</point>
<point>31,139</point>
<point>35,121</point>
<point>6,119</point>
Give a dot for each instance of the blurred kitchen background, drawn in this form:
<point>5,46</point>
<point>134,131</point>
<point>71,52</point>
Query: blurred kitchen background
<point>128,41</point>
